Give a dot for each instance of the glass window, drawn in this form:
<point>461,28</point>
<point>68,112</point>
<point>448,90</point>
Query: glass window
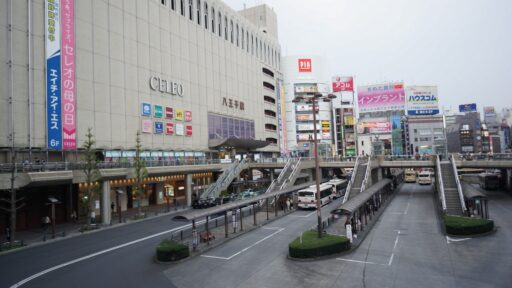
<point>225,27</point>
<point>225,127</point>
<point>237,35</point>
<point>173,4</point>
<point>190,13</point>
<point>213,20</point>
<point>198,12</point>
<point>219,23</point>
<point>206,15</point>
<point>232,31</point>
<point>182,7</point>
<point>243,37</point>
<point>231,127</point>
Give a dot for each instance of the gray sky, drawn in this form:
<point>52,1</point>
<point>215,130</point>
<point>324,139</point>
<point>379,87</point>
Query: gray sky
<point>464,47</point>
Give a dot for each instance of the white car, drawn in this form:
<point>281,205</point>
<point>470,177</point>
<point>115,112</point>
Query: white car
<point>424,178</point>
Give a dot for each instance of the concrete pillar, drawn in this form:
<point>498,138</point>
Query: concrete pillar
<point>271,175</point>
<point>188,189</point>
<point>105,204</point>
<point>508,175</point>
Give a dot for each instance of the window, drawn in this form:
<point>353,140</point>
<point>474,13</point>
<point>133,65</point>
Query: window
<point>173,5</point>
<point>163,2</point>
<point>198,12</point>
<point>256,47</point>
<point>219,23</point>
<point>190,15</point>
<point>247,40</point>
<point>237,35</point>
<point>206,15</point>
<point>243,37</point>
<point>252,44</point>
<point>182,7</point>
<point>213,20</point>
<point>232,31</point>
<point>225,27</point>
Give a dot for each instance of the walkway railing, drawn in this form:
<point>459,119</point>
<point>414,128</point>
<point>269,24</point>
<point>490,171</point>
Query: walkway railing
<point>215,187</point>
<point>351,182</point>
<point>440,185</point>
<point>366,175</point>
<point>459,188</point>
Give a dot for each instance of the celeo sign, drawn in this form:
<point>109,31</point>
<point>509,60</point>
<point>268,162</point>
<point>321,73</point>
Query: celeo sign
<point>165,86</point>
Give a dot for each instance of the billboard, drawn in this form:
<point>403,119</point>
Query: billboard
<point>342,83</point>
<point>53,74</point>
<point>305,65</point>
<point>467,107</point>
<point>422,100</point>
<point>67,10</point>
<point>373,127</point>
<point>382,97</point>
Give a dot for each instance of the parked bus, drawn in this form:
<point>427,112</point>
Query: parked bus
<point>489,181</point>
<point>307,196</point>
<point>410,176</point>
<point>424,178</point>
<point>339,186</point>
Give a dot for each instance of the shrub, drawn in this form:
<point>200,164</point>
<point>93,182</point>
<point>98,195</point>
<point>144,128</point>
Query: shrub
<point>169,250</point>
<point>457,225</point>
<point>312,246</point>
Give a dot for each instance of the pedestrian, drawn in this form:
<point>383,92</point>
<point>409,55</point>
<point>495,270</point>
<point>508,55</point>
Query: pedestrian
<point>74,217</point>
<point>93,217</point>
<point>46,223</point>
<point>112,206</point>
<point>288,204</point>
<point>291,203</point>
<point>8,234</point>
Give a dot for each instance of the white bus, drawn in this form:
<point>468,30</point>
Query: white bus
<point>339,186</point>
<point>307,196</point>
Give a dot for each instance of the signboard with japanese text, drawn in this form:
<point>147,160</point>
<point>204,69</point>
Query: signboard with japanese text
<point>53,74</point>
<point>169,128</point>
<point>422,100</point>
<point>159,127</point>
<point>188,116</point>
<point>169,114</point>
<point>342,83</point>
<point>159,111</point>
<point>304,117</point>
<point>305,65</point>
<point>373,127</point>
<point>188,130</point>
<point>67,13</point>
<point>146,109</point>
<point>147,126</point>
<point>179,129</point>
<point>180,114</point>
<point>382,97</point>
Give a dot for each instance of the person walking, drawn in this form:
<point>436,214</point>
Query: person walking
<point>288,204</point>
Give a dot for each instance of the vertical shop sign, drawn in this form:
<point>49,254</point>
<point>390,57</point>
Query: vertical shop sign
<point>67,13</point>
<point>53,75</point>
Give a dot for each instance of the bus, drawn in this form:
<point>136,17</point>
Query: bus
<point>307,196</point>
<point>489,181</point>
<point>424,178</point>
<point>339,186</point>
<point>410,176</point>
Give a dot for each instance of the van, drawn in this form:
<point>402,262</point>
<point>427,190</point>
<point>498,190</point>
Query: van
<point>424,178</point>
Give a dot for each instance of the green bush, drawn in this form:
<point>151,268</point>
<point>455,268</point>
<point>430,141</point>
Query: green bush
<point>312,246</point>
<point>169,250</point>
<point>457,225</point>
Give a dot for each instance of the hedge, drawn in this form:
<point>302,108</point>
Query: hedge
<point>312,246</point>
<point>457,225</point>
<point>169,250</point>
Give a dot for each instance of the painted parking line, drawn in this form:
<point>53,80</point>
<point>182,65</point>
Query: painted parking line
<point>278,230</point>
<point>390,261</point>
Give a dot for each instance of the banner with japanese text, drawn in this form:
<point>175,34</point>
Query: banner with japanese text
<point>53,75</point>
<point>382,97</point>
<point>67,13</point>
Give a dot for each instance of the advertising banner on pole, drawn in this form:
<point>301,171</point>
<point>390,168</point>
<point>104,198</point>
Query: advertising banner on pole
<point>342,84</point>
<point>467,107</point>
<point>422,100</point>
<point>67,13</point>
<point>53,75</point>
<point>382,97</point>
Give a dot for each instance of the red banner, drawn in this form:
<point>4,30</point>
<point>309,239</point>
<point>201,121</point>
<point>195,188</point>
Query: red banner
<point>305,65</point>
<point>342,84</point>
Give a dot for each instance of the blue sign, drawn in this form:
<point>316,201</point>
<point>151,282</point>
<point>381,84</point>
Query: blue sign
<point>423,112</point>
<point>146,109</point>
<point>159,127</point>
<point>467,107</point>
<point>53,102</point>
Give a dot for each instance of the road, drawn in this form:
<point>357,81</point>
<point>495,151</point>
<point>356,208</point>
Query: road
<point>406,248</point>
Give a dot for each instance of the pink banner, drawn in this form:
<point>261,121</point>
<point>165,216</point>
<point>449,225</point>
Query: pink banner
<point>67,11</point>
<point>381,97</point>
<point>342,84</point>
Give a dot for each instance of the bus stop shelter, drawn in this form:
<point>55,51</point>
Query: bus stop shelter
<point>476,201</point>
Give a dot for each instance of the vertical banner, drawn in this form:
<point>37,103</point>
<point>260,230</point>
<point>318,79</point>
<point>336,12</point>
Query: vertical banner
<point>53,75</point>
<point>67,13</point>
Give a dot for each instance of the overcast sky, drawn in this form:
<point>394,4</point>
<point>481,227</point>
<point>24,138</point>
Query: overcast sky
<point>462,46</point>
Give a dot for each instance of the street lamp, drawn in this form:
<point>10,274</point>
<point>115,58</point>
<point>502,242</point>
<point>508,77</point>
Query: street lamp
<point>313,99</point>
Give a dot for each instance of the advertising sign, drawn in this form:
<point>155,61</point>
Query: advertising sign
<point>159,127</point>
<point>489,111</point>
<point>342,83</point>
<point>169,128</point>
<point>180,114</point>
<point>305,65</point>
<point>467,107</point>
<point>188,116</point>
<point>159,111</point>
<point>179,129</point>
<point>146,109</point>
<point>53,74</point>
<point>422,100</point>
<point>304,117</point>
<point>306,107</point>
<point>373,127</point>
<point>348,120</point>
<point>169,113</point>
<point>326,126</point>
<point>188,130</point>
<point>396,134</point>
<point>147,126</point>
<point>305,127</point>
<point>381,97</point>
<point>68,74</point>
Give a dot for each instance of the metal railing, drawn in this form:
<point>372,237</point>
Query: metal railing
<point>214,188</point>
<point>352,178</point>
<point>292,176</point>
<point>366,175</point>
<point>439,178</point>
<point>459,188</point>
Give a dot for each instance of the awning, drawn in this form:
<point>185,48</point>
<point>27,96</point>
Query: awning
<point>353,204</point>
<point>234,142</point>
<point>470,191</point>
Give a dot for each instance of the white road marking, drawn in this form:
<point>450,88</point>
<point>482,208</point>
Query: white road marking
<point>305,216</point>
<point>450,239</point>
<point>24,281</point>
<point>391,259</point>
<point>367,262</point>
<point>396,241</point>
<point>273,228</point>
<point>357,261</point>
<point>407,208</point>
<point>246,248</point>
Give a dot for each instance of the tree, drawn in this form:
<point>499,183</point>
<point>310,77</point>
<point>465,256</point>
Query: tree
<point>13,200</point>
<point>140,172</point>
<point>91,171</point>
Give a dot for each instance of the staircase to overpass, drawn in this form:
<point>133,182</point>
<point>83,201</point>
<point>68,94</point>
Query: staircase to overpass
<point>453,196</point>
<point>357,179</point>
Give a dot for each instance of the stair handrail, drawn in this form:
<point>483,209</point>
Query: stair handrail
<point>286,167</point>
<point>292,175</point>
<point>352,178</point>
<point>366,174</point>
<point>215,186</point>
<point>459,187</point>
<point>439,176</point>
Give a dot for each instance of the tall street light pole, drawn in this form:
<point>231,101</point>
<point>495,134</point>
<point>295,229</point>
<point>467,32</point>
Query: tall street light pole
<point>313,100</point>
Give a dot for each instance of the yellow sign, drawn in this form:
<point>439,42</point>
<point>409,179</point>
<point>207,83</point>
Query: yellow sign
<point>180,114</point>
